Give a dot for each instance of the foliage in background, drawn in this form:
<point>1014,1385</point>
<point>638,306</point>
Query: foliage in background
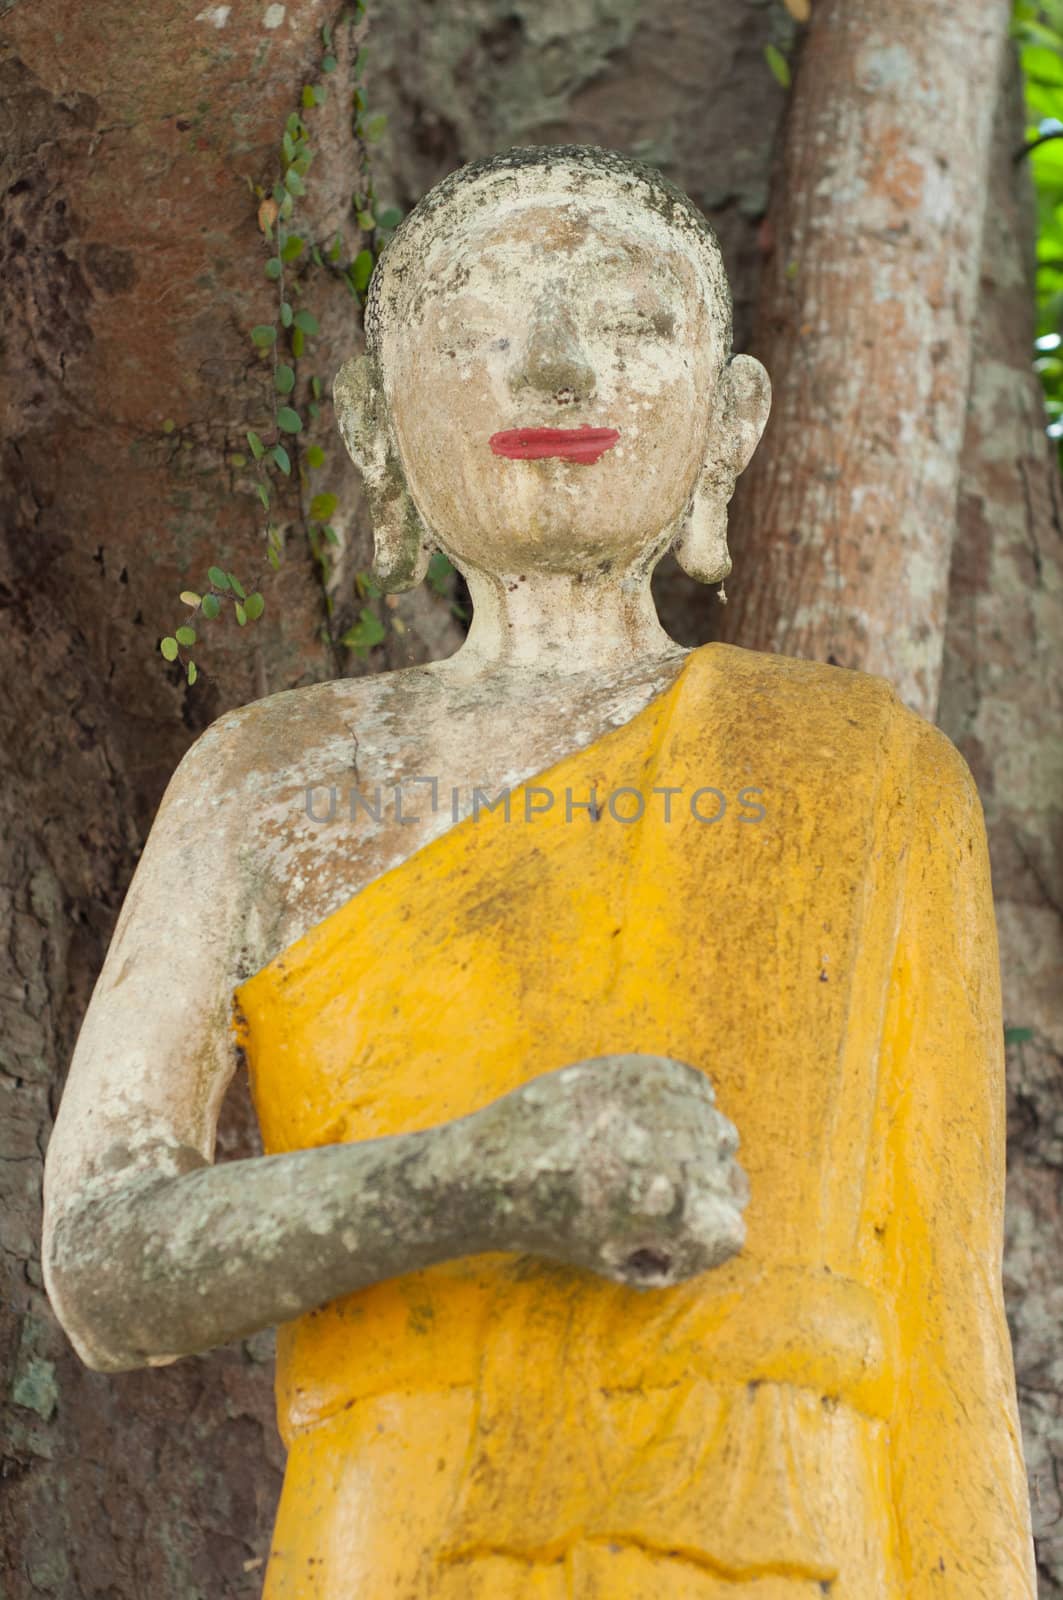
<point>280,448</point>
<point>1038,27</point>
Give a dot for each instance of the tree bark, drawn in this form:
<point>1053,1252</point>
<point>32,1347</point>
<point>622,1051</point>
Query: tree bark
<point>131,272</point>
<point>1002,703</point>
<point>845,520</point>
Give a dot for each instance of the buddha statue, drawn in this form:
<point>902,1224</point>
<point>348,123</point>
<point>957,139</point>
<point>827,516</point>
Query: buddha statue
<point>517,947</point>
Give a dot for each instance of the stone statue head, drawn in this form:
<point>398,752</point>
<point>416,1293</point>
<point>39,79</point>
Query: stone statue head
<point>554,288</point>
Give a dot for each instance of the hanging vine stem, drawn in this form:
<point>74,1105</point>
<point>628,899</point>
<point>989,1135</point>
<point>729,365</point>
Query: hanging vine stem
<point>295,324</point>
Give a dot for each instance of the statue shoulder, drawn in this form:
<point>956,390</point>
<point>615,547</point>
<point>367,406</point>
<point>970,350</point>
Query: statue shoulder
<point>269,743</point>
<point>833,719</point>
<point>800,703</point>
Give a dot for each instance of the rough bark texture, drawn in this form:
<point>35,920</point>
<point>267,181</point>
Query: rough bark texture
<point>865,325</point>
<point>1002,703</point>
<point>131,269</point>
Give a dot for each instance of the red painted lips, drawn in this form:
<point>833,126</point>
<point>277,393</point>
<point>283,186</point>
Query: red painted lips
<point>570,444</point>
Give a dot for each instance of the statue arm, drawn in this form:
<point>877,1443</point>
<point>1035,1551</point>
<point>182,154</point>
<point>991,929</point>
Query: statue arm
<point>959,1483</point>
<point>152,1252</point>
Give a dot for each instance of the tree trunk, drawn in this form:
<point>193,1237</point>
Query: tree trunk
<point>1002,703</point>
<point>131,271</point>
<point>865,324</point>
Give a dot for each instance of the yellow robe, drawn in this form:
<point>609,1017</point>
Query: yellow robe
<point>832,1411</point>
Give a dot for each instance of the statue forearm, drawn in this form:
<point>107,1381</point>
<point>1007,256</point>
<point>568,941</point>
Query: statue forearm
<point>173,1266</point>
<point>621,1165</point>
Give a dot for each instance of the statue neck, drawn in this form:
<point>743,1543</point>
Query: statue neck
<point>559,624</point>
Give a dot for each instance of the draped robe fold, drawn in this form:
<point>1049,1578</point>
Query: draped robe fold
<point>830,1412</point>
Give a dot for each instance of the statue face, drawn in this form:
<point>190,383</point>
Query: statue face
<point>559,316</point>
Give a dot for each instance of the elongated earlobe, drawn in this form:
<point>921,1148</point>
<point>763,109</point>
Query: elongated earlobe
<point>740,413</point>
<point>402,545</point>
<point>701,545</point>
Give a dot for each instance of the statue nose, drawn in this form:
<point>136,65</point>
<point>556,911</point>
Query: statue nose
<point>554,362</point>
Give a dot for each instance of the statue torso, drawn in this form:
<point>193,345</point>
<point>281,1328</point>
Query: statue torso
<point>359,774</point>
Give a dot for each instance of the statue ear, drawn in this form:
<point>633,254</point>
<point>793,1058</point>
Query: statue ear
<point>740,413</point>
<point>402,545</point>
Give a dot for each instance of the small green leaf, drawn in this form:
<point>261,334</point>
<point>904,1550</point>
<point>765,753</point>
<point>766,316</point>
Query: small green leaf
<point>362,270</point>
<point>1018,1035</point>
<point>315,388</point>
<point>254,606</point>
<point>281,457</point>
<point>264,335</point>
<point>293,182</point>
<point>274,267</point>
<point>241,614</point>
<point>258,449</point>
<point>169,425</point>
<point>366,221</point>
<point>315,456</point>
<point>211,606</point>
<point>335,251</point>
<point>289,421</point>
<point>778,64</point>
<point>293,247</point>
<point>237,459</point>
<point>315,256</point>
<point>189,597</point>
<point>306,321</point>
<point>287,206</point>
<point>284,378</point>
<point>367,632</point>
<point>263,494</point>
<point>237,587</point>
<point>367,585</point>
<point>440,571</point>
<point>314,410</point>
<point>322,506</point>
<point>286,314</point>
<point>168,646</point>
<point>329,64</point>
<point>373,128</point>
<point>331,535</point>
<point>193,673</point>
<point>273,558</point>
<point>309,100</point>
<point>217,578</point>
<point>298,342</point>
<point>326,36</point>
<point>288,145</point>
<point>185,635</point>
<point>320,94</point>
<point>390,218</point>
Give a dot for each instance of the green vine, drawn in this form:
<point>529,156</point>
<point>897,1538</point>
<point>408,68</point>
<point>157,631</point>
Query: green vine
<point>280,449</point>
